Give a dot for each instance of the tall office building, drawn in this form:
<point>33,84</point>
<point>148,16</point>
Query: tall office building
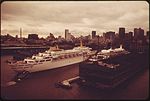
<point>121,33</point>
<point>93,34</point>
<point>129,35</point>
<point>109,35</point>
<point>66,33</point>
<point>138,34</point>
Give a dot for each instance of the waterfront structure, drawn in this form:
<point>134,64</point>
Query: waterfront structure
<point>110,68</point>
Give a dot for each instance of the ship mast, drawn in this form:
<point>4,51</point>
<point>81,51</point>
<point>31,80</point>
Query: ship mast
<point>81,44</point>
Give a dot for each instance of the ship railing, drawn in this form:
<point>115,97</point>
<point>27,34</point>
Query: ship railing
<point>61,57</point>
<point>21,67</point>
<point>17,62</point>
<point>50,59</point>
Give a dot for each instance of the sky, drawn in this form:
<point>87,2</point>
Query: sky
<point>80,17</point>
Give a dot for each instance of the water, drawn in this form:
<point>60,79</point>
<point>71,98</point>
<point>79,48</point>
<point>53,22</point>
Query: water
<point>41,85</point>
<point>7,73</point>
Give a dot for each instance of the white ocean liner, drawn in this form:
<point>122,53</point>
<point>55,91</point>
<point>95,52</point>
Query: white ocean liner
<point>107,53</point>
<point>52,58</point>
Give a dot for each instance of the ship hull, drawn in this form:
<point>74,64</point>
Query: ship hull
<point>51,64</point>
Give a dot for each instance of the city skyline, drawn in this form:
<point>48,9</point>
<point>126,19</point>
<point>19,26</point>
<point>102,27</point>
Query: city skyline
<point>81,18</point>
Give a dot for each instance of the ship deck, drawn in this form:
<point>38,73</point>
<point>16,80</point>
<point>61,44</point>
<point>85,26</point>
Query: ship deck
<point>41,85</point>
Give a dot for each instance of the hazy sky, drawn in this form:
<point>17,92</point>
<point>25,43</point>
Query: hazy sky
<point>44,17</point>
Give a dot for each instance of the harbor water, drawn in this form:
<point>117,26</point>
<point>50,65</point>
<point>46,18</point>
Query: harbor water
<point>41,85</point>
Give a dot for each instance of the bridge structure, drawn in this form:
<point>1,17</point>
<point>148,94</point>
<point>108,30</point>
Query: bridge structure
<point>26,51</point>
<point>19,48</point>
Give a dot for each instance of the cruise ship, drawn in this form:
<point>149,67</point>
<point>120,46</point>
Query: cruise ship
<point>110,68</point>
<point>52,58</point>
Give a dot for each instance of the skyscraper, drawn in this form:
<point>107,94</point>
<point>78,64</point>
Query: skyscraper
<point>66,33</point>
<point>109,35</point>
<point>138,33</point>
<point>121,33</point>
<point>130,35</point>
<point>93,34</point>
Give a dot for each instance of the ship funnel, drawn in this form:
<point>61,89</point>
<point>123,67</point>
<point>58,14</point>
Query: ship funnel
<point>121,46</point>
<point>57,47</point>
<point>81,44</point>
<point>111,48</point>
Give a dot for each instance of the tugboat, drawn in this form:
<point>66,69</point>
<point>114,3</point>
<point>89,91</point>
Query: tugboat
<point>110,68</point>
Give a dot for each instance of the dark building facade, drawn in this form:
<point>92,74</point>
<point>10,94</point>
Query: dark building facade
<point>93,34</point>
<point>33,36</point>
<point>121,33</point>
<point>147,34</point>
<point>109,35</point>
<point>138,33</point>
<point>129,36</point>
<point>66,33</point>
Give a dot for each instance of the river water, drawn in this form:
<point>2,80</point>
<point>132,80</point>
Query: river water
<point>40,85</point>
<point>7,73</point>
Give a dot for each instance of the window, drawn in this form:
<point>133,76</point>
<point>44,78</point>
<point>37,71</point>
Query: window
<point>48,60</point>
<point>42,60</point>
